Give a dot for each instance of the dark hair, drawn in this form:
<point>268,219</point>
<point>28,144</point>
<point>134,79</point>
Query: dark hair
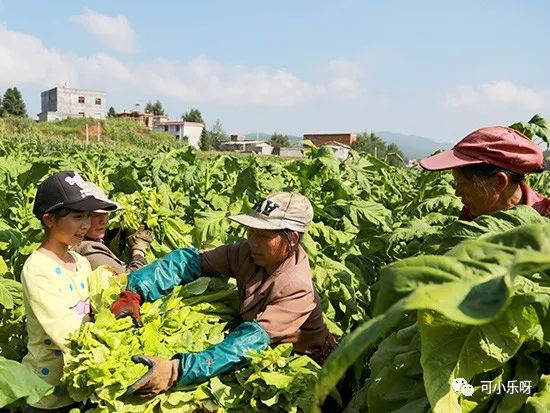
<point>57,213</point>
<point>287,236</point>
<point>485,171</point>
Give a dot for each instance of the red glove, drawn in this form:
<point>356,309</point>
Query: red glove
<point>128,304</point>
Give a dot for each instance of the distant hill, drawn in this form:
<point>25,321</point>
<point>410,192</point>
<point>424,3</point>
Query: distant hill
<point>413,146</point>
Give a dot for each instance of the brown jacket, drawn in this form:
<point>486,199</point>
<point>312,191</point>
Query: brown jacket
<point>284,303</point>
<point>99,254</point>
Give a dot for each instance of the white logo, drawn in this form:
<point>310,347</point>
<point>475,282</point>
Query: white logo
<point>461,386</point>
<point>81,183</point>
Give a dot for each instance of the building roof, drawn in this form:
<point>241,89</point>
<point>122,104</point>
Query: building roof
<point>244,142</point>
<point>337,144</point>
<point>72,89</point>
<point>181,123</point>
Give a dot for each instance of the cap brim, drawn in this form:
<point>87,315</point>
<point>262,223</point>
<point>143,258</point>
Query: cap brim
<point>91,204</point>
<point>253,222</point>
<point>104,211</point>
<point>448,159</point>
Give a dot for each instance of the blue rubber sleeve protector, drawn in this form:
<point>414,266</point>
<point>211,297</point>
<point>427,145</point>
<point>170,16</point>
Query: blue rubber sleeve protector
<point>157,279</point>
<point>225,356</point>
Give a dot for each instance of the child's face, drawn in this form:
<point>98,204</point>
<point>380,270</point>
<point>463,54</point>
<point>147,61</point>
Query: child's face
<point>69,229</point>
<point>98,225</point>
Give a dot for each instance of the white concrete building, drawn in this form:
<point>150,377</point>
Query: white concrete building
<point>263,148</point>
<point>66,102</point>
<point>288,152</point>
<point>242,146</point>
<point>182,130</point>
<point>341,150</point>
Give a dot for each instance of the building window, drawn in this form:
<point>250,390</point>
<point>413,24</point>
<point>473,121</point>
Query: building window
<point>166,129</point>
<point>81,114</point>
<point>81,99</point>
<point>97,101</point>
<point>177,128</point>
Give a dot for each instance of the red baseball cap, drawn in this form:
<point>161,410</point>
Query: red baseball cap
<point>497,145</point>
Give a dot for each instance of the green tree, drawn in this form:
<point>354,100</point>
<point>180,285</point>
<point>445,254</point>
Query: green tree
<point>279,140</point>
<point>193,115</point>
<point>369,142</point>
<point>111,113</point>
<point>155,108</point>
<point>1,107</point>
<point>13,103</point>
<point>213,138</point>
<point>393,155</point>
<point>375,145</point>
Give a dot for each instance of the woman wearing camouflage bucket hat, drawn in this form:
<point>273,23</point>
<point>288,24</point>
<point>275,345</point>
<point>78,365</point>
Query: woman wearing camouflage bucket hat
<point>489,166</point>
<point>278,302</point>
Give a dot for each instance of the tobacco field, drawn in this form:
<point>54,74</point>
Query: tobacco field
<point>416,297</point>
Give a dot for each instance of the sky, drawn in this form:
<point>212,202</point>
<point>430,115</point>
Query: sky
<point>437,69</point>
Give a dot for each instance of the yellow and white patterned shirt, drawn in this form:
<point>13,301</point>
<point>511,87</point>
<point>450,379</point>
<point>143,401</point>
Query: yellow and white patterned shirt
<point>57,302</point>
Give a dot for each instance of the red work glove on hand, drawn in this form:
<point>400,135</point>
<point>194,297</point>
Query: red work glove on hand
<point>128,304</point>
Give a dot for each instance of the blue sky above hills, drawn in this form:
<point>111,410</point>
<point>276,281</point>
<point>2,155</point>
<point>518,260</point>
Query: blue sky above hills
<point>428,68</point>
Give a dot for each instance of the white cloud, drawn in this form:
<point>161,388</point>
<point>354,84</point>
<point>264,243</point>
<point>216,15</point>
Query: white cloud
<point>498,94</point>
<point>27,61</point>
<point>345,78</point>
<point>205,80</point>
<point>115,32</point>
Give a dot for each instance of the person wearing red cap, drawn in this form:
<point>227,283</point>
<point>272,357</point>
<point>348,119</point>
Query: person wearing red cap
<point>489,166</point>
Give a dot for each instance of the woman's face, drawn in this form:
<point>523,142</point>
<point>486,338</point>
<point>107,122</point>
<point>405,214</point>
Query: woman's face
<point>69,229</point>
<point>478,200</point>
<point>98,225</point>
<point>268,247</point>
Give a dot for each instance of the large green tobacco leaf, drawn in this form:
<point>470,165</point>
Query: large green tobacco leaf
<point>472,285</point>
<point>458,231</point>
<point>540,401</point>
<point>19,385</point>
<point>450,350</point>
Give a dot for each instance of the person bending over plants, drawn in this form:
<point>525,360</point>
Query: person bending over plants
<point>489,166</point>
<point>278,302</point>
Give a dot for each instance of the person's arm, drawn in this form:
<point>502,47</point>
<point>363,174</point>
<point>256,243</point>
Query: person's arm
<point>178,267</point>
<point>137,261</point>
<point>159,278</point>
<point>50,307</point>
<point>282,317</point>
<point>156,280</point>
<point>189,368</point>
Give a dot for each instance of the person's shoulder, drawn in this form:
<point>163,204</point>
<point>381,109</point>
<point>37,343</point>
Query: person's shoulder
<point>37,260</point>
<point>295,274</point>
<point>238,249</point>
<point>37,266</point>
<point>88,247</point>
<point>81,262</point>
